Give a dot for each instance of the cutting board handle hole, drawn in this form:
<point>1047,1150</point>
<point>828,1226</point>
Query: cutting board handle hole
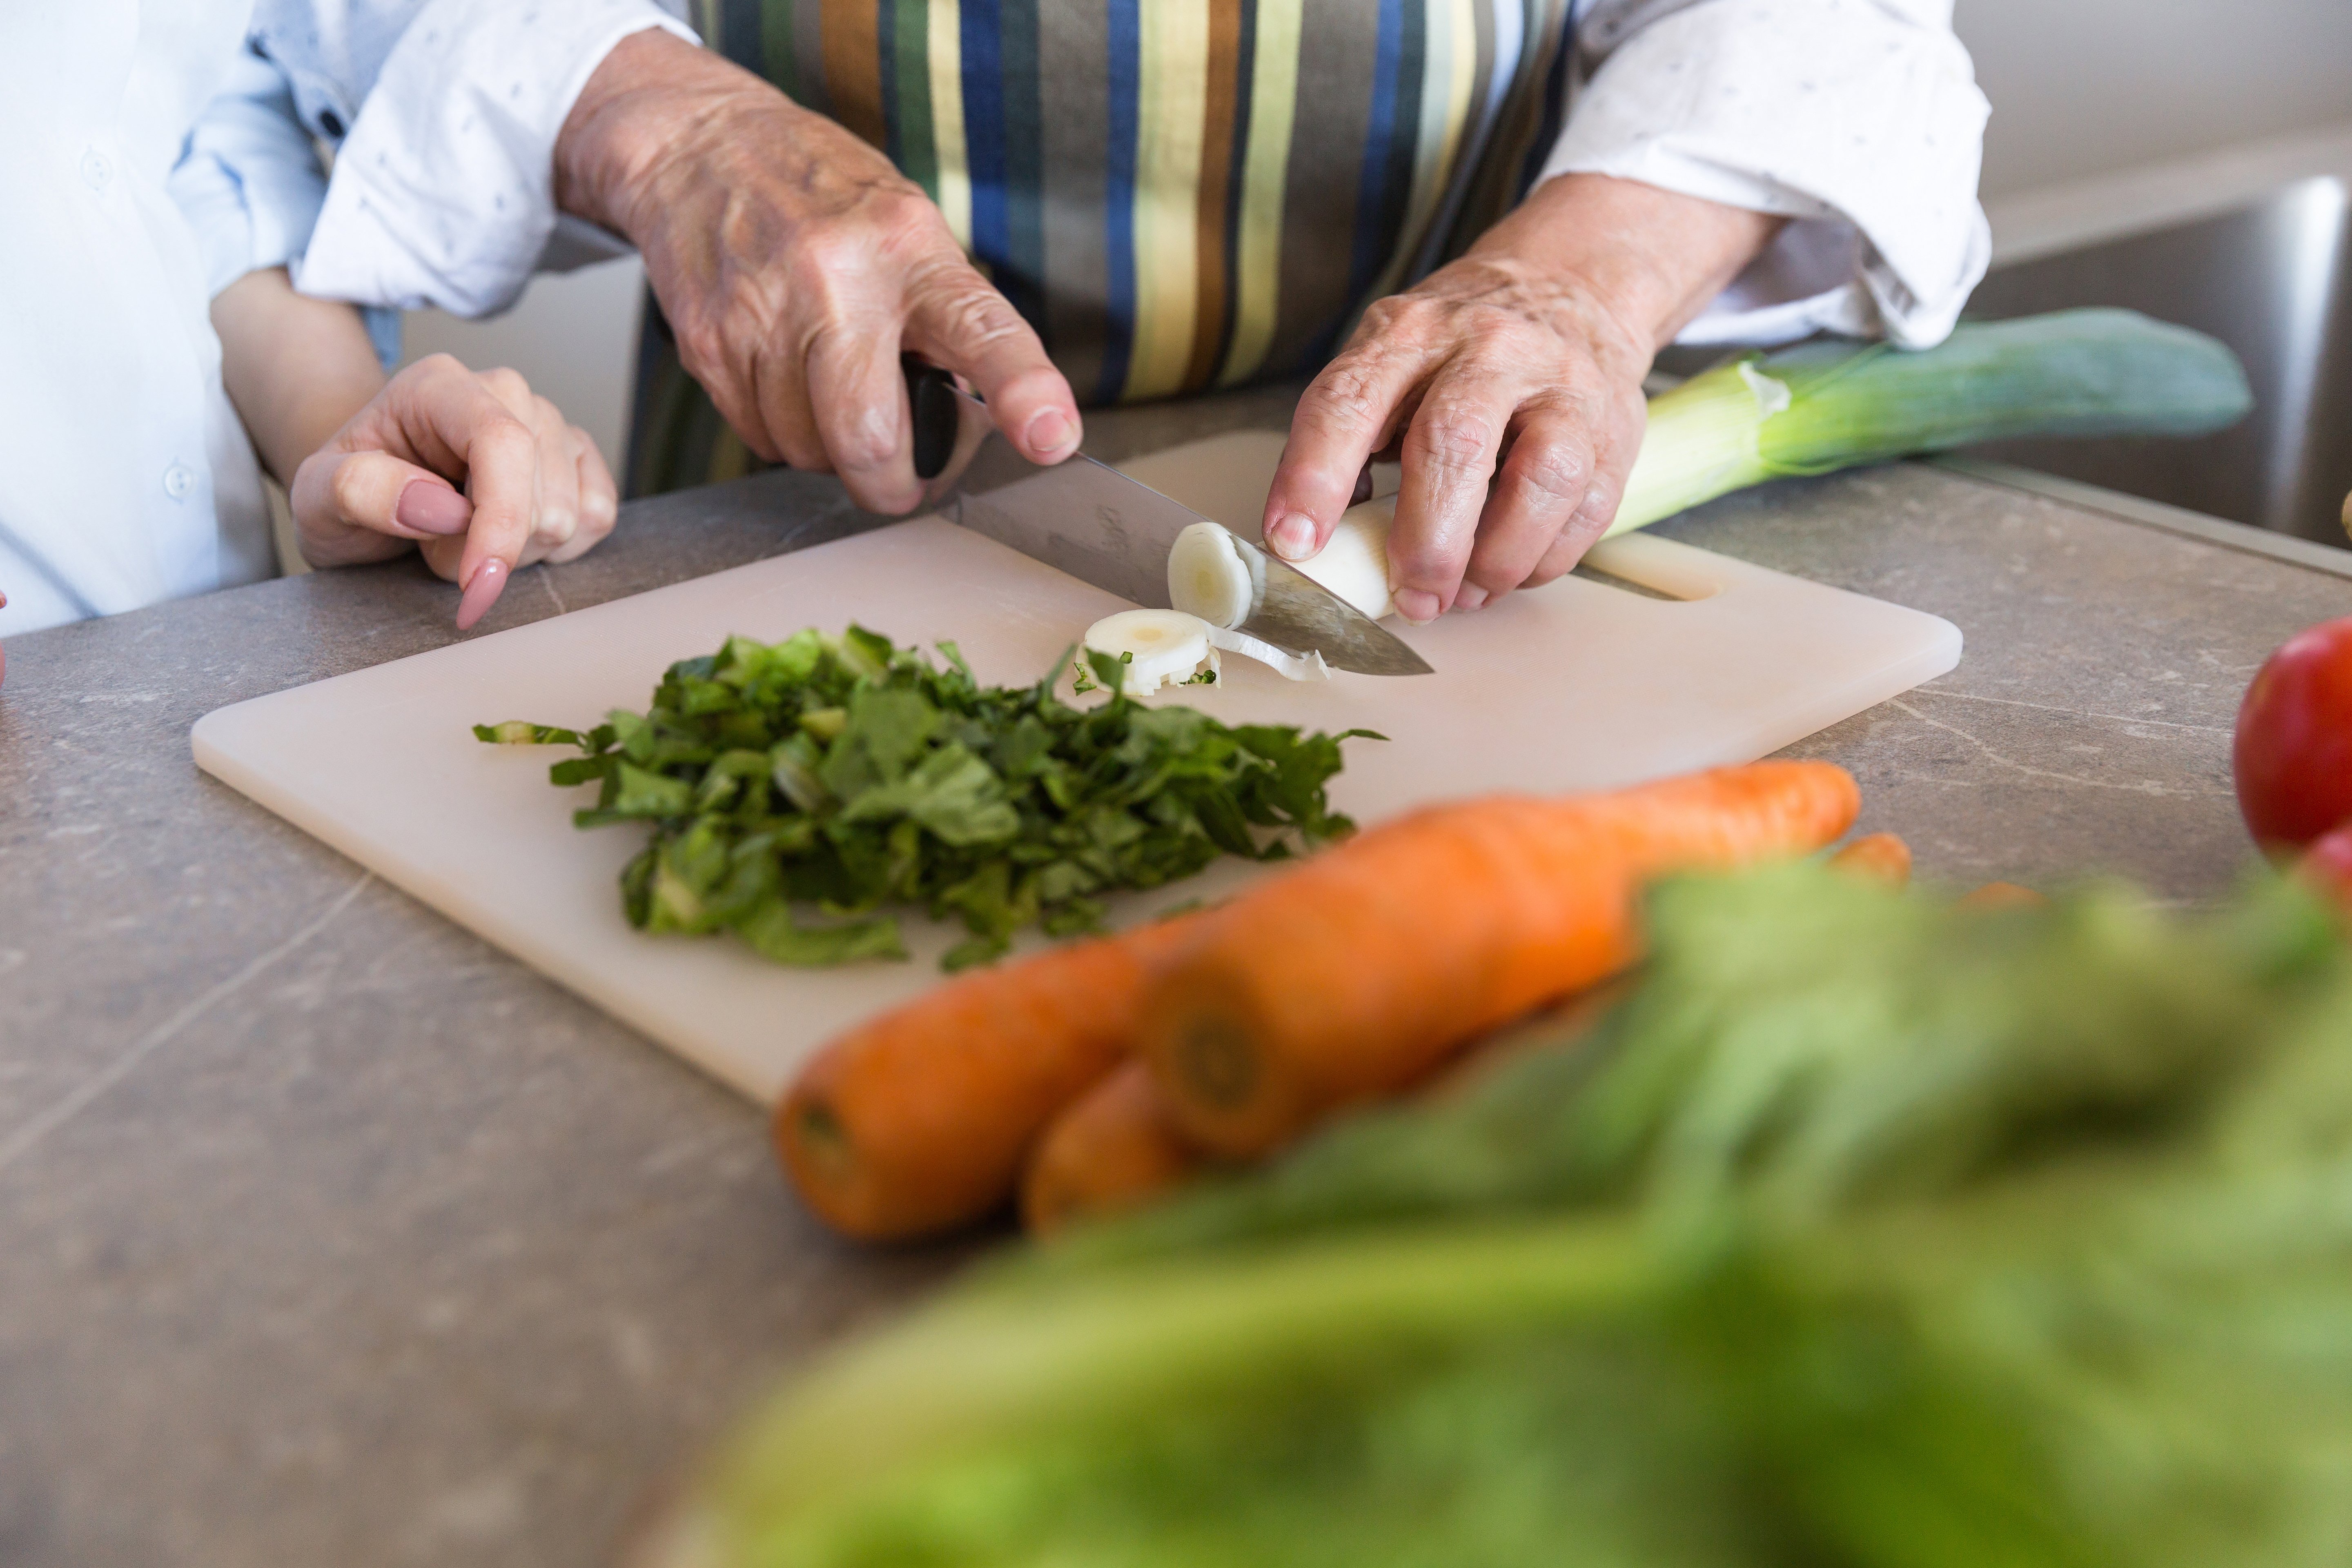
<point>1652,568</point>
<point>1640,590</point>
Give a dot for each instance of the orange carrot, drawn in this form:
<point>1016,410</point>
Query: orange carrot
<point>1370,964</point>
<point>2002,895</point>
<point>1113,1150</point>
<point>1879,856</point>
<point>918,1121</point>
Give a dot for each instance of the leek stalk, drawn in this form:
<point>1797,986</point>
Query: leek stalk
<point>1833,404</point>
<point>1838,403</point>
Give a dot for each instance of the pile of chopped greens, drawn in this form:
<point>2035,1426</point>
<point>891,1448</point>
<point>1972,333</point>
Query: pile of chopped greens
<point>797,790</point>
<point>1868,1233</point>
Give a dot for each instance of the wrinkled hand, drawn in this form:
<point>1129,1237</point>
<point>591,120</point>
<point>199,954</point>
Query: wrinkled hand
<point>793,264</point>
<point>1514,400</point>
<point>1509,383</point>
<point>482,475</point>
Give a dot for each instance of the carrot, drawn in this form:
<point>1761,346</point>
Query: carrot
<point>2002,895</point>
<point>1367,966</point>
<point>918,1121</point>
<point>1879,856</point>
<point>1113,1150</point>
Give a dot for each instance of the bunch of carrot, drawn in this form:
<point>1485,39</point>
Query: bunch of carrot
<point>1090,1077</point>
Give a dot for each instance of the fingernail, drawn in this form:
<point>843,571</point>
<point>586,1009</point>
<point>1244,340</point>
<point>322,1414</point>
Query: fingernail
<point>1292,536</point>
<point>429,508</point>
<point>1050,433</point>
<point>1419,607</point>
<point>481,591</point>
<point>1471,597</point>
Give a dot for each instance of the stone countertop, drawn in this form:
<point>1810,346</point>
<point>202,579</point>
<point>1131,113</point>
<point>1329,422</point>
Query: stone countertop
<point>329,1233</point>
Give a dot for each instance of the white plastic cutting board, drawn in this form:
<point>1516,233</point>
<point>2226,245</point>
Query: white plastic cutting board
<point>1579,685</point>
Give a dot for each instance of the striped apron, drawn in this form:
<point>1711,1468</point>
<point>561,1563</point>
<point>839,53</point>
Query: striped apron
<point>1177,194</point>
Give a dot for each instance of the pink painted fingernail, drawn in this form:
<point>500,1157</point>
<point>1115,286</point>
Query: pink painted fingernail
<point>1417,606</point>
<point>1050,433</point>
<point>1292,536</point>
<point>1471,597</point>
<point>481,591</point>
<point>429,508</point>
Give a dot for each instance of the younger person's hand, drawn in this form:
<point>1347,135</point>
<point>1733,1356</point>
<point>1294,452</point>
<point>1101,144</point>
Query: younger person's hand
<point>478,472</point>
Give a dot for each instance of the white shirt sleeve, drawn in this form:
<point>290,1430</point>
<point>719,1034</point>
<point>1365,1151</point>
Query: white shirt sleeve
<point>443,191</point>
<point>1858,119</point>
<point>249,182</point>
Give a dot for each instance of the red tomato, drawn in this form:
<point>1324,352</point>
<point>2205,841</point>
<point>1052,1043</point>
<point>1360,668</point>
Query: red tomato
<point>2293,752</point>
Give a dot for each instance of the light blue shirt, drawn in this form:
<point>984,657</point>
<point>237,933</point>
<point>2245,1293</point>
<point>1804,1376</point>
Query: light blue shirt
<point>125,476</point>
<point>251,184</point>
<point>154,157</point>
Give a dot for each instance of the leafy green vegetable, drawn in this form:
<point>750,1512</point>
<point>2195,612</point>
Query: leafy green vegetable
<point>797,790</point>
<point>1869,1233</point>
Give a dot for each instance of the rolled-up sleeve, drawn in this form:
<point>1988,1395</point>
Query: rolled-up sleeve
<point>249,182</point>
<point>1859,120</point>
<point>442,192</point>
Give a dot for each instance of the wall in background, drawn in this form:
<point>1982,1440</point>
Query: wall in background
<point>2078,87</point>
<point>573,337</point>
<point>2083,86</point>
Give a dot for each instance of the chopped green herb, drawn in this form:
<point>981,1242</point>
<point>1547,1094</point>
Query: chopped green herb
<point>516,733</point>
<point>800,793</point>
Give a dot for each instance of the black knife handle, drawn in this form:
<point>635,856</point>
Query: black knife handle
<point>931,394</point>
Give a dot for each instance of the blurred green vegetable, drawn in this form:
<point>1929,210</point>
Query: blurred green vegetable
<point>1869,1232</point>
<point>796,789</point>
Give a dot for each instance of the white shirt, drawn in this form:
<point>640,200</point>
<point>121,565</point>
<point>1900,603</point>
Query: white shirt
<point>1860,119</point>
<point>125,476</point>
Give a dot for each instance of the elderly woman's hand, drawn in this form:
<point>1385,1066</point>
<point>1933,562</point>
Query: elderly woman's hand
<point>535,487</point>
<point>794,263</point>
<point>1510,384</point>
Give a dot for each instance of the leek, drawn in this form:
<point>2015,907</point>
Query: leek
<point>1833,404</point>
<point>1838,403</point>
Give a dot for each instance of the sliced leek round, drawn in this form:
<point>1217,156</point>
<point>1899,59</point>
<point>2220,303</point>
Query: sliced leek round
<point>1160,647</point>
<point>1208,576</point>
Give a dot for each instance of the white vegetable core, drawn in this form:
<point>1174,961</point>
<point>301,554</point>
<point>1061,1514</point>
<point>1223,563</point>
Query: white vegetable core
<point>1355,564</point>
<point>1162,646</point>
<point>1207,576</point>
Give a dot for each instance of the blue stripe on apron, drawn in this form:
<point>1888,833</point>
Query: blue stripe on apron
<point>983,128</point>
<point>1124,73</point>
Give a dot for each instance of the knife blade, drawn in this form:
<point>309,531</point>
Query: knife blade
<point>1083,517</point>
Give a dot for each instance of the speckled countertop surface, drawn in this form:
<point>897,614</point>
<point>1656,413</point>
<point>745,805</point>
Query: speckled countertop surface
<point>329,1235</point>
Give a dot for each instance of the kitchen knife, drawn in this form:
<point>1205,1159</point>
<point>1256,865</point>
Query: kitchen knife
<point>1092,521</point>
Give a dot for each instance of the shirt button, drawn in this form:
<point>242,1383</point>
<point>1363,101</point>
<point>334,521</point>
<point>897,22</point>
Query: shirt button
<point>178,480</point>
<point>97,168</point>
